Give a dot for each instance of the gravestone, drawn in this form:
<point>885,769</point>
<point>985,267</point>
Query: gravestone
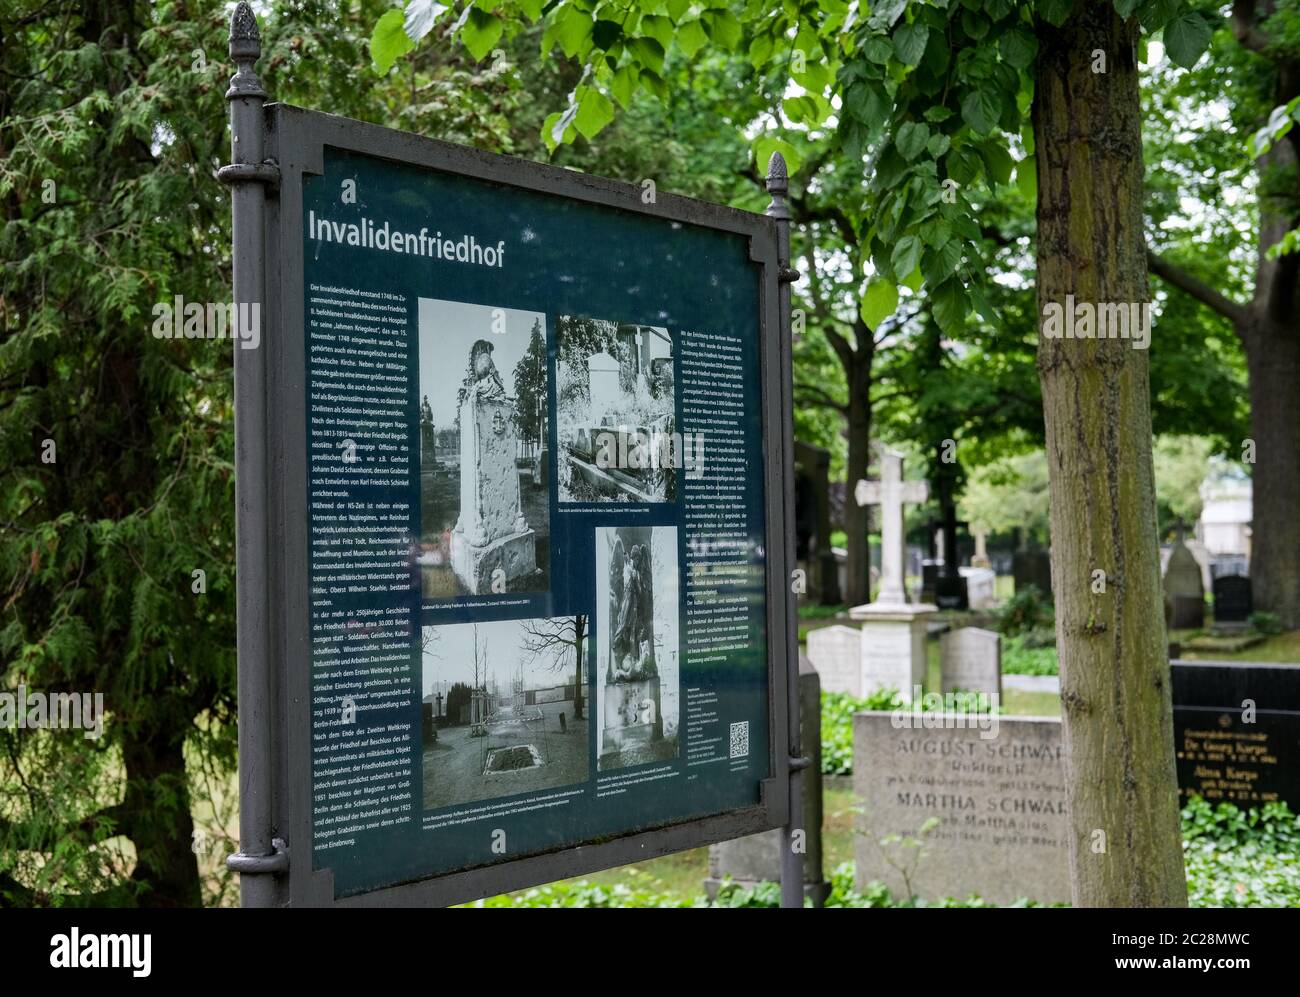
<point>980,559</point>
<point>1237,731</point>
<point>1184,587</point>
<point>756,858</point>
<point>1233,602</point>
<point>981,587</point>
<point>836,654</point>
<point>999,800</point>
<point>1033,567</point>
<point>971,659</point>
<point>930,579</point>
<point>491,532</point>
<point>893,630</point>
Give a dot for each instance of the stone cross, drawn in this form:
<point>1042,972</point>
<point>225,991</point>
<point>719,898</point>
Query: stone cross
<point>890,493</point>
<point>981,558</point>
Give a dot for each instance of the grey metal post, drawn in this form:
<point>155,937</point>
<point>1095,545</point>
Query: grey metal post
<point>792,888</point>
<point>259,857</point>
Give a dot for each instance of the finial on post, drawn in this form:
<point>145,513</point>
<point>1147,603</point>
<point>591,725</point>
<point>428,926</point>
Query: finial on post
<point>778,185</point>
<point>245,49</point>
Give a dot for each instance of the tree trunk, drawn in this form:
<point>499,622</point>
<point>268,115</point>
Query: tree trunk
<point>161,828</point>
<point>856,523</point>
<point>1125,843</point>
<point>1273,360</point>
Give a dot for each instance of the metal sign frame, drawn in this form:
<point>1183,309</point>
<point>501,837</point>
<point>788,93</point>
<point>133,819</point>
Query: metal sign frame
<point>273,149</point>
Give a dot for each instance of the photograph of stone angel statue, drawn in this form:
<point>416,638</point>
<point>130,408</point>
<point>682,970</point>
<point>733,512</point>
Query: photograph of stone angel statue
<point>484,509</point>
<point>615,412</point>
<point>638,621</point>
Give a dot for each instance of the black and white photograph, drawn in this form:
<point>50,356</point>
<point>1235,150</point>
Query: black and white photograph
<point>484,510</point>
<point>615,412</point>
<point>638,618</point>
<point>504,708</point>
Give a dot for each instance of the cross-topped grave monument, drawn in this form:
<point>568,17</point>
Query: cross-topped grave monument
<point>893,630</point>
<point>890,493</point>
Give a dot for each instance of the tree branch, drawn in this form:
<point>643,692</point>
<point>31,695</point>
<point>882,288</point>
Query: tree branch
<point>1206,295</point>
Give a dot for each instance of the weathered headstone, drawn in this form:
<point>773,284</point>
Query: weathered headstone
<point>756,858</point>
<point>1184,587</point>
<point>981,587</point>
<point>999,801</point>
<point>491,532</point>
<point>970,659</point>
<point>980,559</point>
<point>1233,602</point>
<point>836,653</point>
<point>893,630</point>
<point>1237,731</point>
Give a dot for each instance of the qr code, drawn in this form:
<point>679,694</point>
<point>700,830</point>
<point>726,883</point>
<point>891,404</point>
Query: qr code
<point>740,740</point>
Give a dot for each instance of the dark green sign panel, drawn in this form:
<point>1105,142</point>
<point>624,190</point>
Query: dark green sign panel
<point>534,590</point>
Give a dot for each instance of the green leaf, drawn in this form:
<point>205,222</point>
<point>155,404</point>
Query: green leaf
<point>906,255</point>
<point>572,28</point>
<point>389,41</point>
<point>868,104</point>
<point>878,303</point>
<point>948,303</point>
<point>760,50</point>
<point>879,50</point>
<point>1186,38</point>
<point>677,9</point>
<point>1055,12</point>
<point>724,28</point>
<point>909,43</point>
<point>480,33</point>
<point>1019,46</point>
<point>648,52</point>
<point>1027,178</point>
<point>975,25</point>
<point>659,28</point>
<point>623,85</point>
<point>691,37</point>
<point>938,145</point>
<point>531,9</point>
<point>1125,8</point>
<point>943,261</point>
<point>911,139</point>
<point>765,145</point>
<point>998,160</point>
<point>980,109</point>
<point>595,111</point>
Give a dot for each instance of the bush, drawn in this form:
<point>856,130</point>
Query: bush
<point>1021,655</point>
<point>1025,611</point>
<point>1241,858</point>
<point>837,725</point>
<point>1266,623</point>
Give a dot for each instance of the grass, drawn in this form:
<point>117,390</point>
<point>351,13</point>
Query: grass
<point>1283,647</point>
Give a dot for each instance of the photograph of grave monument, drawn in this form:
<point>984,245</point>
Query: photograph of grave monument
<point>484,509</point>
<point>638,674</point>
<point>615,415</point>
<point>504,708</point>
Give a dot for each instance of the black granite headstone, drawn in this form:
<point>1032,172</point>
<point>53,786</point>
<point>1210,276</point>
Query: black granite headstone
<point>1237,731</point>
<point>1232,599</point>
<point>1033,567</point>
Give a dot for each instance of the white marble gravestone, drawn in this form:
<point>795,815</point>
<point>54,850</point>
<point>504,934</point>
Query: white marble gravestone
<point>971,659</point>
<point>980,584</point>
<point>893,630</point>
<point>836,653</point>
<point>491,532</point>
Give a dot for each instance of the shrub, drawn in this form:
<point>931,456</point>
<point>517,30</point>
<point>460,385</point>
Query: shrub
<point>1025,611</point>
<point>1266,623</point>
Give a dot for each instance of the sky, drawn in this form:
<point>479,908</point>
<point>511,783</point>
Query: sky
<point>449,658</point>
<point>447,331</point>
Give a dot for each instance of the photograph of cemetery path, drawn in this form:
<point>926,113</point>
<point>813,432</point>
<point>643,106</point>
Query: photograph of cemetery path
<point>484,465</point>
<point>615,412</point>
<point>504,709</point>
